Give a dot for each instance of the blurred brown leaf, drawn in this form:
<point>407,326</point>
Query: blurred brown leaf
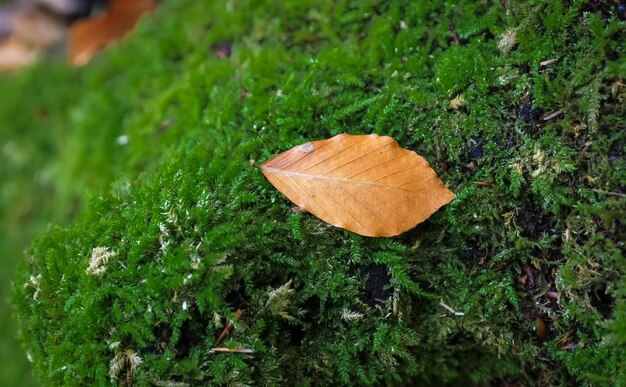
<point>88,36</point>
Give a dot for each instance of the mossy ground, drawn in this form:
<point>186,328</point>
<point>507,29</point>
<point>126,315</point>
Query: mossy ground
<point>198,232</point>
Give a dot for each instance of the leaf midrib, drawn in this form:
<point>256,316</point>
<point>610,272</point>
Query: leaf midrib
<point>333,179</point>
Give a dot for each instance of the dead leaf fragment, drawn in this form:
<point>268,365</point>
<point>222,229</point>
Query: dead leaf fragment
<point>367,184</point>
<point>541,330</point>
<point>89,36</point>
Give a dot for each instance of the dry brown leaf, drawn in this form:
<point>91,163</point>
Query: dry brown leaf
<point>89,36</point>
<point>367,184</point>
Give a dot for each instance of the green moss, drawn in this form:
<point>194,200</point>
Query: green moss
<point>197,233</point>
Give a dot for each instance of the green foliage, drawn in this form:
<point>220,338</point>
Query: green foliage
<point>180,230</point>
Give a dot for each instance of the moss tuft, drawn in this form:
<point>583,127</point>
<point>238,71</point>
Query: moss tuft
<point>518,280</point>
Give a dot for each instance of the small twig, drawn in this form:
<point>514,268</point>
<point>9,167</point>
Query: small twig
<point>455,36</point>
<point>487,184</point>
<point>232,350</point>
<point>548,62</point>
<point>449,309</point>
<point>228,328</point>
<point>552,115</point>
<point>617,194</point>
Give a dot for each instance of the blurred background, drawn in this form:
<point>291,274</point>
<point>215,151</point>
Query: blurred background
<point>39,164</point>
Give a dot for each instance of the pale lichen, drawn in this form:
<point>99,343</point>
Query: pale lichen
<point>507,41</point>
<point>127,359</point>
<point>99,259</point>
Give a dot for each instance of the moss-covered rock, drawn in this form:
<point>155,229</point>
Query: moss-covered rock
<point>519,280</point>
